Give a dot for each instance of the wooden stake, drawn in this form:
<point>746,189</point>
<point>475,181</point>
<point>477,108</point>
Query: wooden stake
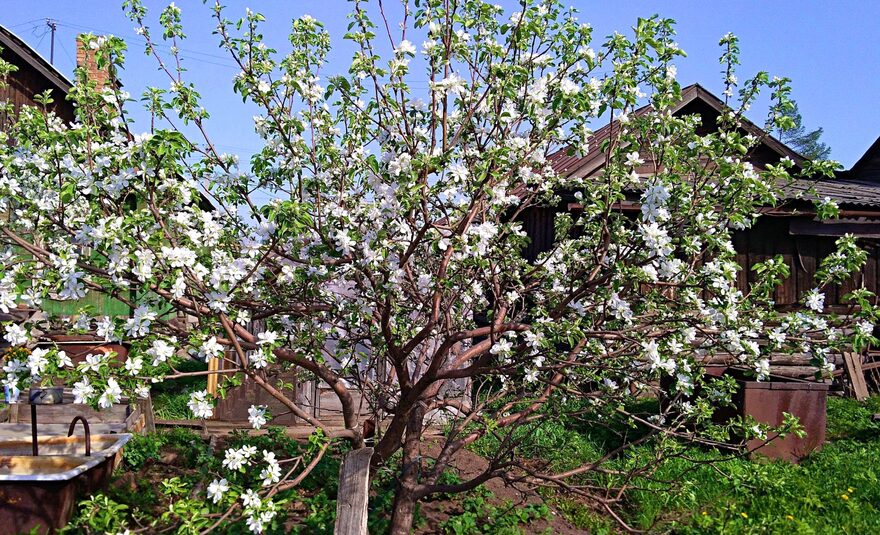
<point>852,362</point>
<point>353,494</point>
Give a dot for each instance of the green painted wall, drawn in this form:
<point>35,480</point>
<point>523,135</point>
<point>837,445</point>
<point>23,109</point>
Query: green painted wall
<point>97,305</point>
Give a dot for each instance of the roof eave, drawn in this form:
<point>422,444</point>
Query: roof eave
<point>19,47</point>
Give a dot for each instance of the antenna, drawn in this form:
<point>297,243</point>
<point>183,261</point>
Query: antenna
<point>53,25</point>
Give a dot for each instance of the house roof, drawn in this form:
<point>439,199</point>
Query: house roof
<point>843,190</point>
<point>858,187</point>
<point>868,166</point>
<point>15,44</point>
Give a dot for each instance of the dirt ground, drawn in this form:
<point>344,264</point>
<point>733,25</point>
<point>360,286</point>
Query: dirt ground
<point>469,465</point>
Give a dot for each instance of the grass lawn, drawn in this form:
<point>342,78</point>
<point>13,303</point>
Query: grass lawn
<point>836,490</point>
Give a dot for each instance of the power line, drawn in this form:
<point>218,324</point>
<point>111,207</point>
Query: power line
<point>188,53</point>
<point>24,23</point>
<point>36,27</point>
<point>141,40</point>
<point>66,53</point>
<point>41,39</point>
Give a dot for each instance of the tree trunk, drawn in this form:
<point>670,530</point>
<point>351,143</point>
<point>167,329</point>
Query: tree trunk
<point>405,500</point>
<point>404,509</point>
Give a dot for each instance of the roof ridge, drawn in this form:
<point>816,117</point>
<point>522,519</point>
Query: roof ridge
<point>573,164</point>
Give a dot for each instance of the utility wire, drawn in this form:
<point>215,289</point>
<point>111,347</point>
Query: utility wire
<point>140,40</point>
<point>41,40</point>
<point>187,53</point>
<point>24,23</point>
<point>66,53</point>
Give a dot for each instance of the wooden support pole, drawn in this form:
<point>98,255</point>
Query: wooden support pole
<point>353,494</point>
<point>213,366</point>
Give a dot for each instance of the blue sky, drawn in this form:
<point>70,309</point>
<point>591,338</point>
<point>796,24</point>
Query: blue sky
<point>830,49</point>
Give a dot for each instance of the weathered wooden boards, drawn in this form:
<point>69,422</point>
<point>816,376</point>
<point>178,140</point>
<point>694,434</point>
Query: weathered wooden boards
<point>795,366</point>
<point>145,407</point>
<point>64,413</point>
<point>354,491</point>
<point>852,363</point>
<point>135,417</point>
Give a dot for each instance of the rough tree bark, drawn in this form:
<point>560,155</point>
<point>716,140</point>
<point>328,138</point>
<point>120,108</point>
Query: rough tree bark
<point>405,501</point>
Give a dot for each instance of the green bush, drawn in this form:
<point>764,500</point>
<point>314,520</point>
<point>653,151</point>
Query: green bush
<point>191,449</point>
<point>98,514</point>
<point>835,490</point>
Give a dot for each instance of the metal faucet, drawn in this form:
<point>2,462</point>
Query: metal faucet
<point>88,433</point>
<point>41,396</point>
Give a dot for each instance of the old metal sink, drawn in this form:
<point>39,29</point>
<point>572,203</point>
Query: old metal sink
<point>40,492</point>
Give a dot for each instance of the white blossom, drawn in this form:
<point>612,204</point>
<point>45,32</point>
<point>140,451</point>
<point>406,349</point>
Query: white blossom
<point>112,394</point>
<point>16,335</point>
<point>405,47</point>
<point>271,474</point>
<point>217,488</point>
<point>134,365</point>
<point>161,350</point>
<point>267,338</point>
<point>815,300</point>
<point>762,369</point>
<point>139,324</point>
<point>257,416</point>
<point>250,499</point>
<point>865,328</point>
<point>200,405</point>
<point>210,348</point>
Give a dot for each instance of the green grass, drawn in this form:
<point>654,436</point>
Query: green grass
<point>836,490</point>
<point>170,398</point>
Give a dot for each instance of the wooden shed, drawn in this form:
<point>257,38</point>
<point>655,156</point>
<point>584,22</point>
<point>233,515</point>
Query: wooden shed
<point>789,229</point>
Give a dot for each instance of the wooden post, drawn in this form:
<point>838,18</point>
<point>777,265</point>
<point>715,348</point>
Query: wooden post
<point>13,413</point>
<point>146,409</point>
<point>316,399</point>
<point>852,362</point>
<point>354,491</point>
<point>213,366</point>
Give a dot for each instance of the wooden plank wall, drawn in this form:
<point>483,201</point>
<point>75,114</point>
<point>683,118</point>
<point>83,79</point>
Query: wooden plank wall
<point>234,407</point>
<point>803,254</point>
<point>23,85</point>
<point>539,223</point>
<point>769,237</point>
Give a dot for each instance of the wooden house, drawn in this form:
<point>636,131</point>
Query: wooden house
<point>789,229</point>
<point>34,75</point>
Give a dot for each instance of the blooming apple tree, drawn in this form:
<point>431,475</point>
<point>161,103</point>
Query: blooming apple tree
<point>378,239</point>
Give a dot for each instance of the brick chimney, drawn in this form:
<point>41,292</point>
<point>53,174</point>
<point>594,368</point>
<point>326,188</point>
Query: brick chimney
<point>85,58</point>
